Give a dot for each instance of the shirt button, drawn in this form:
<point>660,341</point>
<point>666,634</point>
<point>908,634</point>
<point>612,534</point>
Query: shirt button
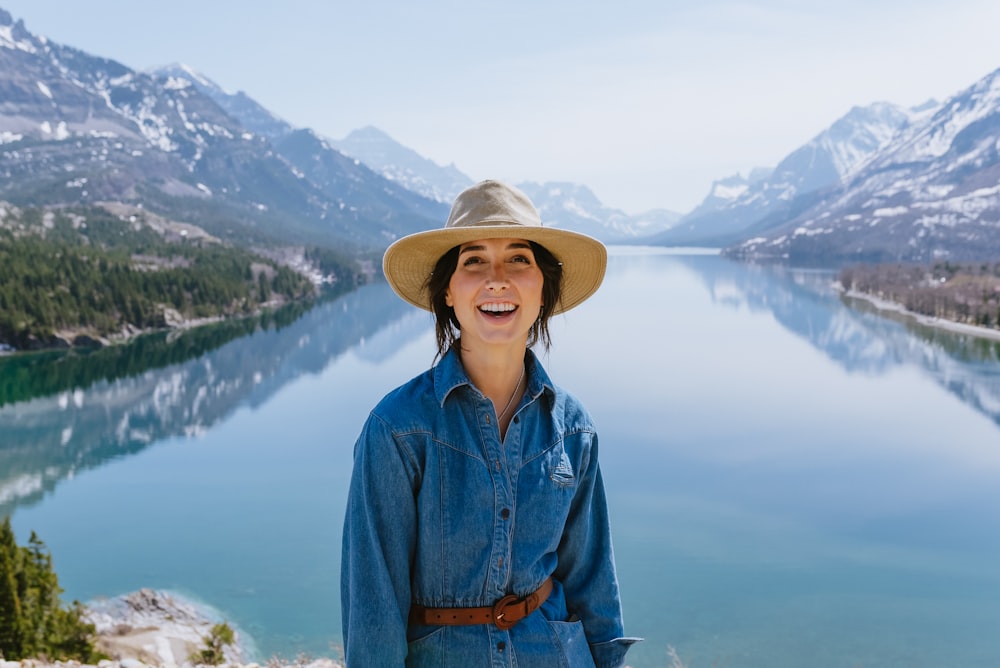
<point>505,513</point>
<point>516,419</point>
<point>501,646</point>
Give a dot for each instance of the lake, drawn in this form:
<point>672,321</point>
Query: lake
<point>793,480</point>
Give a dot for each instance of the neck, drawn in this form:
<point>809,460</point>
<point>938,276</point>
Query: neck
<point>496,372</point>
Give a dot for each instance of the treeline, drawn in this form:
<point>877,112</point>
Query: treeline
<point>89,271</point>
<point>34,623</point>
<point>25,377</point>
<point>964,293</point>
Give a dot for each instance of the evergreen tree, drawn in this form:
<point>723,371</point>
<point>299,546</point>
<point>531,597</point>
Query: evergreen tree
<point>33,621</point>
<point>11,641</point>
<point>39,599</point>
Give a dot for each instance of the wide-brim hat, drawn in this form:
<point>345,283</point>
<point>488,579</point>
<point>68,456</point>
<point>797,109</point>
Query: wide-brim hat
<point>494,210</point>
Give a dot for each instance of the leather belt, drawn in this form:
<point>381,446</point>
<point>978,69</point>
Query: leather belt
<point>505,613</point>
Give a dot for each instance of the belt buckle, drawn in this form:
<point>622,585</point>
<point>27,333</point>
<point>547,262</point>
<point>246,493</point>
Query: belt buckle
<point>500,612</point>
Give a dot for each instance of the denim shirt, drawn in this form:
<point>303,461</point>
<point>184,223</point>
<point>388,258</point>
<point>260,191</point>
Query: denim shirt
<point>442,513</point>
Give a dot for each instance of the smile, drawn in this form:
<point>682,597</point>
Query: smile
<point>497,309</point>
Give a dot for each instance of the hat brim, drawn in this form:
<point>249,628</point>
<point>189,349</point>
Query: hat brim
<point>409,261</point>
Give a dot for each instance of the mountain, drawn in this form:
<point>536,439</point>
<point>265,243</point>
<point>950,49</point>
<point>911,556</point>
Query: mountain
<point>250,113</point>
<point>353,185</point>
<point>575,207</point>
<point>819,164</point>
<point>727,191</point>
<point>349,183</point>
<point>76,128</point>
<point>932,192</point>
<point>403,165</point>
<point>568,205</point>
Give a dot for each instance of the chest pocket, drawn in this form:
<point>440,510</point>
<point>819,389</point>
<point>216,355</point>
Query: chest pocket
<point>561,470</point>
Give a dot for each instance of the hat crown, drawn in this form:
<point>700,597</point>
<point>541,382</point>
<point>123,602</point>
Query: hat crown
<point>493,203</point>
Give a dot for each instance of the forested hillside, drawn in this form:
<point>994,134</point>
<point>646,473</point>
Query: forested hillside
<point>964,293</point>
<point>82,275</point>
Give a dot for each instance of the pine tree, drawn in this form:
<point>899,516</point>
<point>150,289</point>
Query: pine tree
<point>40,599</point>
<point>11,638</point>
<point>33,621</point>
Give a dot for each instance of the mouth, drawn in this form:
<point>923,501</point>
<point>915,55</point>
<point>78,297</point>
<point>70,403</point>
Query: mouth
<point>497,309</point>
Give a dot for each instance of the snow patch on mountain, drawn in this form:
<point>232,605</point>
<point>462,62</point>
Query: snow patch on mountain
<point>12,36</point>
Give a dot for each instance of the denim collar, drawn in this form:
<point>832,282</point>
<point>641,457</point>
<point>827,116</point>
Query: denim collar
<point>449,374</point>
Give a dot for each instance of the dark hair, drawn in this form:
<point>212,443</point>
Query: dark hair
<point>446,325</point>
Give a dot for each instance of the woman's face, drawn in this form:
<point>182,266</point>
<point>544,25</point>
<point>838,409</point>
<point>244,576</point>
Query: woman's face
<point>496,291</point>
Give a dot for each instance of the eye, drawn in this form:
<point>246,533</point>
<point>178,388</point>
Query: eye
<point>521,258</point>
<point>471,260</point>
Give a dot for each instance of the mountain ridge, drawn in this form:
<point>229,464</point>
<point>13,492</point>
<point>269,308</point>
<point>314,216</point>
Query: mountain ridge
<point>817,165</point>
<point>881,182</point>
<point>932,193</point>
<point>77,128</point>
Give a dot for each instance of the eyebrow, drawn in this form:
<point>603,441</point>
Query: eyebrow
<point>516,245</point>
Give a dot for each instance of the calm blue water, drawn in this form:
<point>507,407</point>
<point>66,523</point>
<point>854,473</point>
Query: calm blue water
<point>793,482</point>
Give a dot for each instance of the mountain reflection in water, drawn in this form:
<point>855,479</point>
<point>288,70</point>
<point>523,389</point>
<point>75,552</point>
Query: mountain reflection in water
<point>860,338</point>
<point>87,408</point>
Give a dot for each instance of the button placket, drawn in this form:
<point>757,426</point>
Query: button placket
<point>493,450</point>
<point>500,640</point>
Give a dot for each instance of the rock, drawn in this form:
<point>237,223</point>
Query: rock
<point>172,318</point>
<point>154,628</point>
<point>86,341</point>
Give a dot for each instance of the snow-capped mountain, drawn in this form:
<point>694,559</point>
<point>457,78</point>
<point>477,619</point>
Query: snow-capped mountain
<point>403,165</point>
<point>932,192</point>
<point>52,92</point>
<point>352,183</point>
<point>250,113</point>
<point>575,207</point>
<point>347,181</point>
<point>76,128</point>
<point>568,205</point>
<point>819,164</point>
<point>726,191</point>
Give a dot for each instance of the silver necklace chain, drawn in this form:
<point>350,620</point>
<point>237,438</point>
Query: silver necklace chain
<point>514,394</point>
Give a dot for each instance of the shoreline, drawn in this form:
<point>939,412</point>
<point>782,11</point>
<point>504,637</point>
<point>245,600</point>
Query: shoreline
<point>86,339</point>
<point>929,321</point>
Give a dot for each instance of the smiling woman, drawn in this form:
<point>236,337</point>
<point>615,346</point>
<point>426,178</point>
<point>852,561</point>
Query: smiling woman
<point>477,527</point>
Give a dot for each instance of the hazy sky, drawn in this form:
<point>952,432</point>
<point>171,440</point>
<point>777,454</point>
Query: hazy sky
<point>645,102</point>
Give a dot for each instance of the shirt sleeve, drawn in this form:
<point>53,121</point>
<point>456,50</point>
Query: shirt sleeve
<point>378,546</point>
<point>587,568</point>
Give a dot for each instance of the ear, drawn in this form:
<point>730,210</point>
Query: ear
<point>447,298</point>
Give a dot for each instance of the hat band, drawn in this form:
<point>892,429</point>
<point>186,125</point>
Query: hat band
<point>489,222</point>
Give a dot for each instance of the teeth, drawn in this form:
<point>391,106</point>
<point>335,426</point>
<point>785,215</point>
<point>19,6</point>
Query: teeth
<point>497,308</point>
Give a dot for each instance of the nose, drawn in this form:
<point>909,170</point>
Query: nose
<point>496,281</point>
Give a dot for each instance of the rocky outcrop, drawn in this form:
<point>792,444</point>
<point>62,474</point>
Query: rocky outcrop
<point>155,629</point>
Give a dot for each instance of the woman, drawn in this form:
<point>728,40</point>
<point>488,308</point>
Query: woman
<point>477,527</point>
